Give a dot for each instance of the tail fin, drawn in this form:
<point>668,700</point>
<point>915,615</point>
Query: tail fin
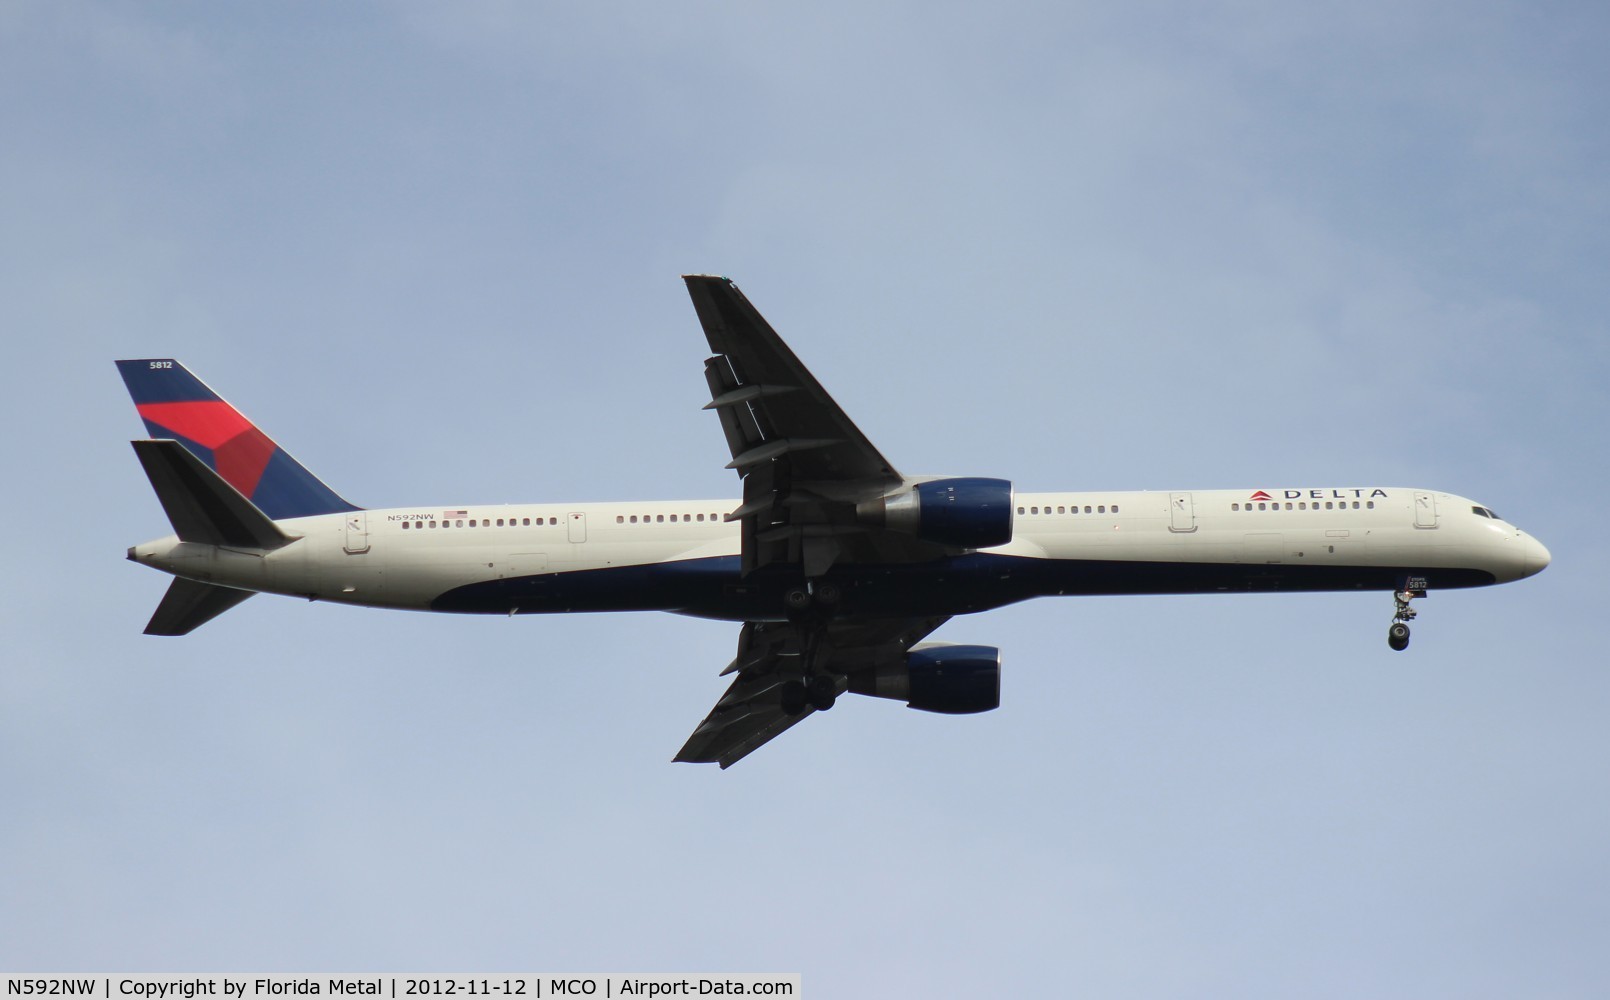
<point>175,404</point>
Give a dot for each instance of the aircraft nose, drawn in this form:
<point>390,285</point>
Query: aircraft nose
<point>1537,557</point>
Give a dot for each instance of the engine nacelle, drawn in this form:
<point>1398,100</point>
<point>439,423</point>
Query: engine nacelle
<point>969,513</point>
<point>938,677</point>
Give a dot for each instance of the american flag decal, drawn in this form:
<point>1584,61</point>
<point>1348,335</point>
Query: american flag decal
<point>455,513</point>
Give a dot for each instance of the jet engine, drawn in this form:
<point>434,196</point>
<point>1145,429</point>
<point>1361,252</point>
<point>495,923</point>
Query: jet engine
<point>968,513</point>
<point>938,677</point>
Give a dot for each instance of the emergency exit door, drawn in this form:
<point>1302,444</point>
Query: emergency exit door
<point>1181,512</point>
<point>1425,510</point>
<point>577,526</point>
<point>357,536</point>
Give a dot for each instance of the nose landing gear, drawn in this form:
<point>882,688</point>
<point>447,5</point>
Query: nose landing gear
<point>1398,635</point>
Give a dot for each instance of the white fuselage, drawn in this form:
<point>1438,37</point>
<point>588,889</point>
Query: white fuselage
<point>680,555</point>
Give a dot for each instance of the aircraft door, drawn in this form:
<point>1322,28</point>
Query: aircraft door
<point>577,524</point>
<point>1181,512</point>
<point>1425,510</point>
<point>357,533</point>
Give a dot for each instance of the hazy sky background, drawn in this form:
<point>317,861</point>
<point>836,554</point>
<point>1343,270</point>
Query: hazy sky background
<point>434,250</point>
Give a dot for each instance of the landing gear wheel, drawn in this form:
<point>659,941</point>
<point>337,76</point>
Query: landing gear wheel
<point>822,692</point>
<point>794,697</point>
<point>797,599</point>
<point>827,595</point>
<point>1409,587</point>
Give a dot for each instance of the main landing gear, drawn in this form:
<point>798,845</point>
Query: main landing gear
<point>819,692</point>
<point>799,602</point>
<point>808,607</point>
<point>1397,636</point>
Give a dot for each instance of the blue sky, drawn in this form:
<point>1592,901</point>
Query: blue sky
<point>433,249</point>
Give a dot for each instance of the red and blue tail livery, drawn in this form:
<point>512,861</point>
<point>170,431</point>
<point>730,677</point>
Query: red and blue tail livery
<point>176,405</point>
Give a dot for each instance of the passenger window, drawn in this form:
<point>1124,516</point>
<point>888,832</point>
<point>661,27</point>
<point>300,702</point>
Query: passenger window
<point>1369,505</point>
<point>553,520</point>
<point>1087,508</point>
<point>1102,509</point>
<point>1020,510</point>
<point>659,518</point>
<point>1115,508</point>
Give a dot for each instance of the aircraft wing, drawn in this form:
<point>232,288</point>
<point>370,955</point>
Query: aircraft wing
<point>804,463</point>
<point>770,656</point>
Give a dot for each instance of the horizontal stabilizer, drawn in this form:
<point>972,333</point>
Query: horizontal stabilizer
<point>188,605</point>
<point>200,504</point>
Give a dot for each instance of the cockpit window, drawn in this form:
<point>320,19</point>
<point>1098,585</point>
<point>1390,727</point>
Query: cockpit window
<point>1485,512</point>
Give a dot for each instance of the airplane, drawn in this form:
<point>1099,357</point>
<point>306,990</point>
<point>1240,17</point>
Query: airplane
<point>837,565</point>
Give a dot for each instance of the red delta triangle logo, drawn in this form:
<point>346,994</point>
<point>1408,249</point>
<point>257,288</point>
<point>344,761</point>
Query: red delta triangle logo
<point>1261,495</point>
<point>240,451</point>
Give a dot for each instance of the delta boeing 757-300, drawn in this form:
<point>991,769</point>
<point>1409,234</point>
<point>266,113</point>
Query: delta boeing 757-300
<point>837,565</point>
